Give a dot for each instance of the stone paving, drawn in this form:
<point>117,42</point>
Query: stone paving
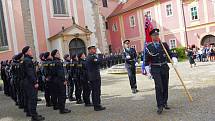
<point>122,105</point>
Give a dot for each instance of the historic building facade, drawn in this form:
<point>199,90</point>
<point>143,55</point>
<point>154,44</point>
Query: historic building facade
<point>182,23</point>
<point>67,25</point>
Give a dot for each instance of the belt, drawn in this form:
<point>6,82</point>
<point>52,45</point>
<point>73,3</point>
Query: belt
<point>158,64</point>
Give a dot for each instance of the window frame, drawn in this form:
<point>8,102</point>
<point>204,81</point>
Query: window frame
<point>114,27</point>
<point>150,13</point>
<point>3,30</point>
<point>67,14</point>
<point>171,8</point>
<point>197,10</point>
<point>130,21</point>
<point>170,44</point>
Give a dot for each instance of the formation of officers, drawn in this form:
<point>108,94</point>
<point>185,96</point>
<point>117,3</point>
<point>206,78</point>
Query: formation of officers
<point>58,79</point>
<point>80,75</point>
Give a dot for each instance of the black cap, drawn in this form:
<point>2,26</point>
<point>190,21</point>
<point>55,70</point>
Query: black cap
<point>46,55</point>
<point>41,56</point>
<point>74,56</point>
<point>126,41</point>
<point>25,49</point>
<point>154,32</point>
<point>53,53</point>
<point>18,56</point>
<point>65,56</point>
<point>90,47</point>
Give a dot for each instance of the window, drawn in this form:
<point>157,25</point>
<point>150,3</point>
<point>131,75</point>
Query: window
<point>105,3</point>
<point>132,21</point>
<point>148,14</point>
<point>194,13</point>
<point>60,8</point>
<point>169,10</point>
<point>172,43</point>
<point>3,35</point>
<point>106,25</point>
<point>114,27</point>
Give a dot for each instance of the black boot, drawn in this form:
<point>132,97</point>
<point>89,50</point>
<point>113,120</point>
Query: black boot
<point>166,107</point>
<point>37,118</point>
<point>64,111</point>
<point>99,108</point>
<point>160,110</point>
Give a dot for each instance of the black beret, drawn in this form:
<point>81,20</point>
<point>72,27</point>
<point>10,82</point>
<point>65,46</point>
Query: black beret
<point>66,56</point>
<point>46,55</point>
<point>53,53</point>
<point>90,47</point>
<point>126,41</point>
<point>25,49</point>
<point>154,31</point>
<point>18,56</point>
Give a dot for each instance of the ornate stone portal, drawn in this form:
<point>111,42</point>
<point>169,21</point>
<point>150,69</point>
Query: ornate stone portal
<point>71,40</point>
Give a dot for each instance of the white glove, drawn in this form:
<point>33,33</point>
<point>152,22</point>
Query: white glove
<point>128,57</point>
<point>147,68</point>
<point>136,64</point>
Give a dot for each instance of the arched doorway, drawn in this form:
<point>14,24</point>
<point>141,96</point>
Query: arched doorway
<point>208,40</point>
<point>77,46</point>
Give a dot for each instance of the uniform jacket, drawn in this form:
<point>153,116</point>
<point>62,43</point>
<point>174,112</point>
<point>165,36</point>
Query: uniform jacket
<point>133,56</point>
<point>29,70</point>
<point>93,66</point>
<point>155,56</point>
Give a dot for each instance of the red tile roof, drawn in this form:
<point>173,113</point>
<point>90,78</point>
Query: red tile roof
<point>130,5</point>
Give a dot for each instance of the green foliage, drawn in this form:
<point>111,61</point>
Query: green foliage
<point>181,53</point>
<point>3,48</point>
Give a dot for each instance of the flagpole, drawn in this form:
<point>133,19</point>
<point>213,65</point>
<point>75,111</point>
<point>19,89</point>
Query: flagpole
<point>182,82</point>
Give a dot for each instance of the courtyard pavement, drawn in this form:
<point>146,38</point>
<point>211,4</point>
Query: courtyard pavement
<point>122,105</point>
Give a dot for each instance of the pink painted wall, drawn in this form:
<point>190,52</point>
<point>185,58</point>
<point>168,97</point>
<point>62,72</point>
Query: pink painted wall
<point>115,37</point>
<point>192,38</point>
<point>18,21</point>
<point>81,17</point>
<point>40,26</point>
<point>106,11</point>
<point>200,13</point>
<point>212,29</point>
<point>211,10</point>
<point>169,22</point>
<point>150,7</point>
<point>131,32</point>
<point>137,43</point>
<point>56,23</point>
<point>175,36</point>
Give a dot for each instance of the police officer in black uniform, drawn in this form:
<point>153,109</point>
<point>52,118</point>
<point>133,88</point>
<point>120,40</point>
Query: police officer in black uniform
<point>84,80</point>
<point>76,79</point>
<point>156,58</point>
<point>93,71</point>
<point>130,57</point>
<point>59,83</point>
<point>69,70</point>
<point>48,82</point>
<point>30,84</point>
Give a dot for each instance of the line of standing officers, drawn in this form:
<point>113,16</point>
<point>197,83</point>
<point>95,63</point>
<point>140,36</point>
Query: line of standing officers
<point>79,74</point>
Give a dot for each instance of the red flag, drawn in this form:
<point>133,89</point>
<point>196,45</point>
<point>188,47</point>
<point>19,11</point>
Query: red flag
<point>148,27</point>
